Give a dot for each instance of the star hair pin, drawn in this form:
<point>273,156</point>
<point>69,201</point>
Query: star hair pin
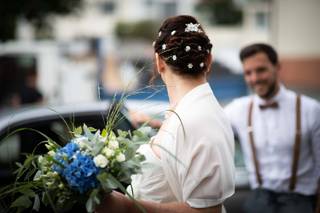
<point>192,28</point>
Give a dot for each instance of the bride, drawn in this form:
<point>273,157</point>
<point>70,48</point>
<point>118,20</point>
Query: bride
<point>192,154</point>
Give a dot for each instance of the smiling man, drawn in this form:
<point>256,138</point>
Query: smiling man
<point>279,132</point>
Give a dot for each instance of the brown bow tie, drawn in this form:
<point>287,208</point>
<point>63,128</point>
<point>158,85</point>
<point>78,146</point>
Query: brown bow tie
<point>272,105</point>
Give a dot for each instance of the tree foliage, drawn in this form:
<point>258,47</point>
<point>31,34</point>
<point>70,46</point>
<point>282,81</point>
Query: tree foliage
<point>34,11</point>
<point>221,12</point>
<point>138,30</point>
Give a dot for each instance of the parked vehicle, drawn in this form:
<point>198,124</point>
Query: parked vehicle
<point>52,122</point>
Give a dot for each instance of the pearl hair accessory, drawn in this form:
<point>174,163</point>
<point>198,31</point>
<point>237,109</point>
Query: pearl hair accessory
<point>174,57</point>
<point>201,64</point>
<point>199,48</point>
<point>173,32</point>
<point>188,48</point>
<point>190,66</point>
<point>192,28</point>
<point>164,46</point>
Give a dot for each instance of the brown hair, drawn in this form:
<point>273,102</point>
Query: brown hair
<point>183,45</point>
<point>253,49</point>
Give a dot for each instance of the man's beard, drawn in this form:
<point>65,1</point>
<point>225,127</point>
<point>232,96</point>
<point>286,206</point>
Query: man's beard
<point>271,91</point>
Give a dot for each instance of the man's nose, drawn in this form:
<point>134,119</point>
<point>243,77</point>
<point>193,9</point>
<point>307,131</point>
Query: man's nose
<point>254,77</point>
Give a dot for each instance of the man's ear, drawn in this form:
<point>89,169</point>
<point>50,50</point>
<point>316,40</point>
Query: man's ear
<point>160,63</point>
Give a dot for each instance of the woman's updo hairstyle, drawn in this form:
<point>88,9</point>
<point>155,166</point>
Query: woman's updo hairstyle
<point>183,45</point>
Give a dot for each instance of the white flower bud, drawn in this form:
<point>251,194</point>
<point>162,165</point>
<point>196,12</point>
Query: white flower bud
<point>48,146</point>
<point>52,153</point>
<point>40,159</point>
<point>108,152</point>
<point>100,161</point>
<point>121,157</point>
<point>113,144</point>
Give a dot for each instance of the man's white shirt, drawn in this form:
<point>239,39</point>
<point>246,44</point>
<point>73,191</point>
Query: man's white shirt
<point>274,138</point>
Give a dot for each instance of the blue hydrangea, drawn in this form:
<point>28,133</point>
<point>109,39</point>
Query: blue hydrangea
<point>63,156</point>
<point>81,173</point>
<point>78,169</point>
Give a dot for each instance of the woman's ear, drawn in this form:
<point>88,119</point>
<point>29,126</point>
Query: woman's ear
<point>209,62</point>
<point>160,63</point>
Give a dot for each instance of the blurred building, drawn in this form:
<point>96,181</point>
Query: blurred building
<point>99,17</point>
<point>295,32</point>
<point>85,45</point>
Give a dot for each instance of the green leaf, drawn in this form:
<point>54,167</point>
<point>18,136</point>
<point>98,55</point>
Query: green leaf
<point>122,133</point>
<point>22,201</point>
<point>78,130</point>
<point>87,131</point>
<point>90,205</point>
<point>91,129</point>
<point>104,133</point>
<point>28,192</point>
<point>93,200</point>
<point>106,182</point>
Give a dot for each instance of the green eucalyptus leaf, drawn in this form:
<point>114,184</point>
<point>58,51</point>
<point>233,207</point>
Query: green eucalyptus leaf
<point>106,183</point>
<point>90,205</point>
<point>28,192</point>
<point>22,201</point>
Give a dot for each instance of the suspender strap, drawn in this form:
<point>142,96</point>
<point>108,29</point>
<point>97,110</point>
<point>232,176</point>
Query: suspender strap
<point>296,149</point>
<point>253,148</point>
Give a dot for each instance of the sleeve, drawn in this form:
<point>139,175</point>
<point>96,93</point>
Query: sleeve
<point>206,177</point>
<point>231,112</point>
<point>199,169</point>
<point>209,179</point>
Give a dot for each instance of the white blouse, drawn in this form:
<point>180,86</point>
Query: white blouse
<point>196,155</point>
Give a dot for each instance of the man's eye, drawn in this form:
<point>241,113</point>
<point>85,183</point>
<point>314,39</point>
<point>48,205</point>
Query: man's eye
<point>247,73</point>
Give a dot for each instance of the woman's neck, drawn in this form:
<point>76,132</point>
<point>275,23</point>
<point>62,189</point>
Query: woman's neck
<point>178,87</point>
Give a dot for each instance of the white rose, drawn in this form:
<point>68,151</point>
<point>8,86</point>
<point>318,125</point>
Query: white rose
<point>121,157</point>
<point>100,161</point>
<point>113,144</point>
<point>108,152</point>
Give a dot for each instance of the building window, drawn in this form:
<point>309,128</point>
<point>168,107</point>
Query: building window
<point>108,7</point>
<point>261,19</point>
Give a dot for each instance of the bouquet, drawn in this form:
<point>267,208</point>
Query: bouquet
<point>93,163</point>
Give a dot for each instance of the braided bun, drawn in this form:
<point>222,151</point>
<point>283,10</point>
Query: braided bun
<point>183,45</point>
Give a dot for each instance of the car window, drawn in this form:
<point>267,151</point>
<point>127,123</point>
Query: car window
<point>28,141</point>
<point>10,149</point>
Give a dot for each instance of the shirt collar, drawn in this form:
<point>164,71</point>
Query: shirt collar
<point>193,95</point>
<point>277,98</point>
